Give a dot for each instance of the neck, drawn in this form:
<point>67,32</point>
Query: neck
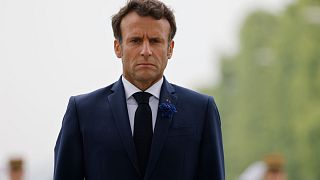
<point>142,84</point>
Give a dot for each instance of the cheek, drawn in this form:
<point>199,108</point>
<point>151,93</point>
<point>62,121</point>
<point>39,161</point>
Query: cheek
<point>162,56</point>
<point>130,55</point>
<point>164,64</point>
<point>129,64</point>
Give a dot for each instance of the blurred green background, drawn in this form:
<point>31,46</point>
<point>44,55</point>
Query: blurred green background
<point>269,94</point>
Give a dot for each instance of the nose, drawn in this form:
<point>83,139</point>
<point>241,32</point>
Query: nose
<point>146,50</point>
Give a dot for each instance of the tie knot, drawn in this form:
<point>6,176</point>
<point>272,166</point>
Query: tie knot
<point>142,97</point>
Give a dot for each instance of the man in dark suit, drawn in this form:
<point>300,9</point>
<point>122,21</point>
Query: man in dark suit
<point>141,127</point>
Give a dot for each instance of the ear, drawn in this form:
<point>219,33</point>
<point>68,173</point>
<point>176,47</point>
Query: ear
<point>117,48</point>
<point>170,49</point>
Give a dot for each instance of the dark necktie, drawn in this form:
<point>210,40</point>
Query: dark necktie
<point>142,134</point>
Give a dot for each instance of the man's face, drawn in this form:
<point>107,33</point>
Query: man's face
<point>144,49</point>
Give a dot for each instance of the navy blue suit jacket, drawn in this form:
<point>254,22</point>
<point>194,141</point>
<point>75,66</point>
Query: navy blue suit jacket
<point>95,141</point>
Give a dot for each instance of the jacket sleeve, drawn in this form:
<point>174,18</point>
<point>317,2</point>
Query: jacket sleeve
<point>211,164</point>
<point>68,152</point>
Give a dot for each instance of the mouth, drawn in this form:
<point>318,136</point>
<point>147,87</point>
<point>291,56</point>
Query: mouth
<point>145,65</point>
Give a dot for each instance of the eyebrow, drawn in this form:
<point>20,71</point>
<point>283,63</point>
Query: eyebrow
<point>140,37</point>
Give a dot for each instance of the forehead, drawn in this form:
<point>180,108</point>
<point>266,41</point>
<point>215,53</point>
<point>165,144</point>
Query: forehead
<point>133,23</point>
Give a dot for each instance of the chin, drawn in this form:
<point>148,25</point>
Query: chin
<point>147,77</point>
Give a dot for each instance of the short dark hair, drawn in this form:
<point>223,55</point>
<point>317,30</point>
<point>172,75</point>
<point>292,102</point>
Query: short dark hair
<point>153,8</point>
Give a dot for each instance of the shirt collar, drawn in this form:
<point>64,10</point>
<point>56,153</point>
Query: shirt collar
<point>130,89</point>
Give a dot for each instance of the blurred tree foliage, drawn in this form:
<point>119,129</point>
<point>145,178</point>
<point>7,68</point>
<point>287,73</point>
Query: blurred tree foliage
<point>269,95</point>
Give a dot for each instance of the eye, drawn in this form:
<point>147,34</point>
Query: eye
<point>154,40</point>
<point>135,40</point>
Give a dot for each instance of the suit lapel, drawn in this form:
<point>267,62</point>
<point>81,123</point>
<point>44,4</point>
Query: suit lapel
<point>118,103</point>
<point>162,126</point>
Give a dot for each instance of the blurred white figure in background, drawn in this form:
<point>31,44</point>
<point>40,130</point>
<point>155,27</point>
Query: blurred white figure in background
<point>271,168</point>
<point>255,171</point>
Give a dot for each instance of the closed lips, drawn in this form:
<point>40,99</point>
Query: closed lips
<point>145,64</point>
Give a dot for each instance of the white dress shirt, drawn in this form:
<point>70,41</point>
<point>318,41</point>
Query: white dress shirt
<point>132,104</point>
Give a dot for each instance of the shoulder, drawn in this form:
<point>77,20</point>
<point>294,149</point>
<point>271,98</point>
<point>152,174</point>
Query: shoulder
<point>193,103</point>
<point>193,98</point>
<point>190,94</point>
<point>93,97</point>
